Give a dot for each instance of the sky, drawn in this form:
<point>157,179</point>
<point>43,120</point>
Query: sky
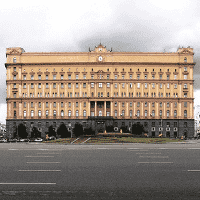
<point>74,26</point>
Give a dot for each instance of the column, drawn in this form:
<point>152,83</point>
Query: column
<point>35,86</point>
<point>43,112</point>
<point>9,88</point>
<point>65,90</point>
<point>172,110</point>
<point>127,113</point>
<point>111,85</point>
<point>28,95</point>
<point>149,108</point>
<point>73,90</point>
<point>134,109</point>
<point>134,94</point>
<point>20,110</point>
<point>164,91</point>
<point>180,92</point>
<point>88,112</point>
<point>80,110</point>
<point>95,90</point>
<point>142,114</point>
<point>43,94</point>
<point>104,108</point>
<point>73,113</point>
<point>164,114</point>
<point>58,109</point>
<point>28,111</point>
<point>119,110</point>
<point>50,90</point>
<point>179,110</point>
<point>95,109</point>
<point>50,113</point>
<point>111,108</point>
<point>127,93</point>
<point>58,91</point>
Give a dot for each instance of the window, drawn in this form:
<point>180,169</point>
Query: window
<point>47,105</point>
<point>185,76</point>
<point>92,76</point>
<point>115,77</point>
<point>32,86</point>
<point>47,77</point>
<point>185,69</point>
<point>138,104</point>
<point>185,94</point>
<point>62,85</point>
<point>84,76</point>
<point>54,85</point>
<point>175,76</point>
<point>185,113</point>
<point>175,86</point>
<point>32,77</point>
<point>145,76</point>
<point>32,113</point>
<point>160,76</point>
<point>108,85</point>
<point>167,77</point>
<point>145,113</point>
<point>167,113</point>
<point>84,113</point>
<point>167,85</point>
<point>131,76</point>
<point>108,76</point>
<point>160,104</point>
<point>123,85</point>
<point>153,77</point>
<point>62,113</point>
<point>131,85</point>
<point>131,113</point>
<point>76,113</point>
<point>39,77</point>
<point>175,113</point>
<point>115,113</point>
<point>153,85</point>
<point>14,60</point>
<point>107,94</point>
<point>185,104</point>
<point>168,104</point>
<point>54,77</point>
<point>160,113</point>
<point>24,113</point>
<point>76,104</point>
<point>54,113</point>
<point>61,77</point>
<point>123,76</point>
<point>76,85</point>
<point>138,85</point>
<point>115,104</point>
<point>24,77</point>
<point>115,85</point>
<point>69,77</point>
<point>69,85</point>
<point>69,104</point>
<point>153,113</point>
<point>54,104</point>
<point>39,113</point>
<point>122,104</point>
<point>175,104</point>
<point>131,104</point>
<point>100,85</point>
<point>185,59</point>
<point>153,104</point>
<point>24,86</point>
<point>123,113</point>
<point>76,76</point>
<point>39,104</point>
<point>39,85</point>
<point>185,85</point>
<point>84,85</point>
<point>138,113</point>
<point>145,85</point>
<point>14,69</point>
<point>160,85</point>
<point>61,104</point>
<point>92,85</point>
<point>47,85</point>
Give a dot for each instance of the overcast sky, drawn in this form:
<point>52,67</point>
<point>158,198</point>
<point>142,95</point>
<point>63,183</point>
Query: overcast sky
<point>124,25</point>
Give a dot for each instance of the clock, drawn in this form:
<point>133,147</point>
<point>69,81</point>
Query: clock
<point>100,58</point>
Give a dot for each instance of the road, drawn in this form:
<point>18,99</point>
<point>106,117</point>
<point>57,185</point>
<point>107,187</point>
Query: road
<point>129,171</point>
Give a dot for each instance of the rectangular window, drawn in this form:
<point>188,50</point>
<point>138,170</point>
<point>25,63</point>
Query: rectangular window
<point>138,85</point>
<point>84,76</point>
<point>31,104</point>
<point>153,85</point>
<point>153,104</point>
<point>69,85</point>
<point>54,85</point>
<point>84,85</point>
<point>69,77</point>
<point>14,104</point>
<point>167,77</point>
<point>61,77</point>
<point>14,77</point>
<point>145,85</point>
<point>84,105</point>
<point>39,85</point>
<point>14,69</point>
<point>92,76</point>
<point>32,77</point>
<point>115,85</point>
<point>39,104</point>
<point>185,104</point>
<point>54,104</point>
<point>47,77</point>
<point>160,76</point>
<point>69,104</point>
<point>54,77</point>
<point>175,76</point>
<point>108,85</point>
<point>185,69</point>
<point>24,77</point>
<point>167,85</point>
<point>123,76</point>
<point>76,104</point>
<point>14,85</point>
<point>100,85</point>
<point>145,76</point>
<point>108,76</point>
<point>62,85</point>
<point>39,77</point>
<point>185,85</point>
<point>185,94</point>
<point>123,85</point>
<point>77,85</point>
<point>24,86</point>
<point>32,86</point>
<point>24,104</point>
<point>47,85</point>
<point>92,85</point>
<point>76,76</point>
<point>131,76</point>
<point>115,77</point>
<point>160,85</point>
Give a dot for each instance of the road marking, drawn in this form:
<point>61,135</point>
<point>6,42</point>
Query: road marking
<point>13,149</point>
<point>148,153</point>
<point>102,148</point>
<point>39,156</point>
<point>155,162</point>
<point>41,170</point>
<point>154,156</point>
<point>48,153</point>
<point>27,183</point>
<point>42,162</point>
<point>193,170</point>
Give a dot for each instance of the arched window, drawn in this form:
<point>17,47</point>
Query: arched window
<point>69,113</point>
<point>62,113</point>
<point>115,113</point>
<point>84,113</point>
<point>100,113</point>
<point>24,113</point>
<point>47,113</point>
<point>76,113</point>
<point>167,113</point>
<point>54,113</point>
<point>32,113</point>
<point>160,113</point>
<point>39,113</point>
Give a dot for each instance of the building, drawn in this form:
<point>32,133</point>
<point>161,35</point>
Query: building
<point>100,88</point>
<point>197,120</point>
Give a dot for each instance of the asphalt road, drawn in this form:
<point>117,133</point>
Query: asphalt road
<point>129,171</point>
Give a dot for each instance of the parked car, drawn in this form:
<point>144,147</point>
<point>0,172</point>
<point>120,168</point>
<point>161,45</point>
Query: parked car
<point>38,140</point>
<point>52,138</point>
<point>3,140</point>
<point>24,140</point>
<point>12,140</point>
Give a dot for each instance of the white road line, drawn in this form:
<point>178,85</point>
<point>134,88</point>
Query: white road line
<point>102,148</point>
<point>148,153</point>
<point>42,162</point>
<point>27,183</point>
<point>48,153</point>
<point>41,170</point>
<point>39,156</point>
<point>154,156</point>
<point>193,170</point>
<point>155,162</point>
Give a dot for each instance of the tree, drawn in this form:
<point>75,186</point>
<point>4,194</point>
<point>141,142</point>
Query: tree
<point>137,129</point>
<point>78,130</point>
<point>109,129</point>
<point>51,131</point>
<point>22,131</point>
<point>89,131</point>
<point>63,131</point>
<point>35,133</point>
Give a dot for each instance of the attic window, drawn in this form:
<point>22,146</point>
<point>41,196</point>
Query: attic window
<point>153,70</point>
<point>145,70</point>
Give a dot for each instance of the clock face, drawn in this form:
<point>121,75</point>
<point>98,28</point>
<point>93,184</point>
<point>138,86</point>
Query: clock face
<point>100,58</point>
